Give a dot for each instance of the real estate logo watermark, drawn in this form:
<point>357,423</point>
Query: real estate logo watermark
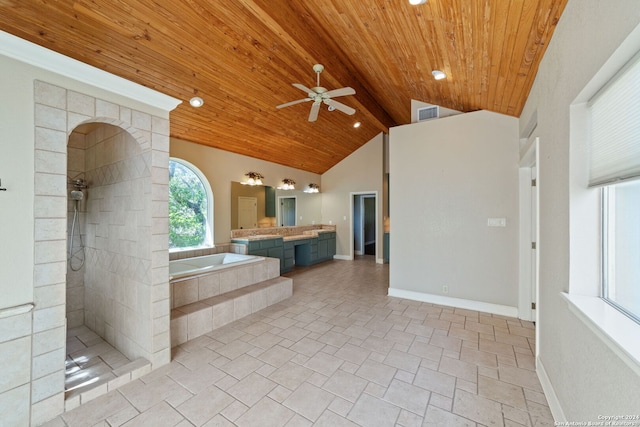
<point>606,420</point>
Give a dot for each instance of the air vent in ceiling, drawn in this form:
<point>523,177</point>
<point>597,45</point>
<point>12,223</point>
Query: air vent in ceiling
<point>428,113</point>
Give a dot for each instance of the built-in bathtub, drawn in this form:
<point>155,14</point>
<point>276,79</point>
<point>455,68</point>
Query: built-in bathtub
<point>187,267</point>
<point>211,291</point>
<point>200,278</point>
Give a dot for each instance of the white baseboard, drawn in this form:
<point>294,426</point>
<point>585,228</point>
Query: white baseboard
<point>379,260</point>
<point>549,392</point>
<point>485,307</point>
<point>358,253</point>
<point>343,257</point>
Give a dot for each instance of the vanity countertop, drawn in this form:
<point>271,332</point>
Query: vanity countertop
<point>256,237</point>
<point>297,237</point>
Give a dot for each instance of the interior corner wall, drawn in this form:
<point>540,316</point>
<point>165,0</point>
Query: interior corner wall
<point>447,177</point>
<point>587,378</point>
<point>361,171</point>
<point>222,167</point>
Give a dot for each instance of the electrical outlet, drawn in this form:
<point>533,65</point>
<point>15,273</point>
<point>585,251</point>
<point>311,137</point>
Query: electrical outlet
<point>445,289</point>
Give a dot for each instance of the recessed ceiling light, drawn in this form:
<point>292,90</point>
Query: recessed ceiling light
<point>416,2</point>
<point>357,124</point>
<point>438,75</point>
<point>196,102</point>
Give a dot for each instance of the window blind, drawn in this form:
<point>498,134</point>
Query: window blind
<point>615,128</point>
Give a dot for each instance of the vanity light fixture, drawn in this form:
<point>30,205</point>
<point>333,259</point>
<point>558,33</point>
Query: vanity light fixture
<point>439,75</point>
<point>255,178</point>
<point>357,125</point>
<point>288,184</point>
<point>196,102</point>
<point>416,2</point>
<point>312,188</point>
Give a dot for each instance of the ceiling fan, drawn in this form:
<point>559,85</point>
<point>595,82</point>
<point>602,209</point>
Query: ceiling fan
<point>320,95</point>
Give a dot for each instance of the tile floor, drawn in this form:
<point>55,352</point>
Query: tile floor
<point>339,353</point>
<point>90,360</point>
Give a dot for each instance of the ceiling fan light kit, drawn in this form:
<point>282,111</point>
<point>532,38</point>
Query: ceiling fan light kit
<point>320,95</point>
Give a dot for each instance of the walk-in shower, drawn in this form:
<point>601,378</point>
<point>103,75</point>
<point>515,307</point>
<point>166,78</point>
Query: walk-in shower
<point>76,255</point>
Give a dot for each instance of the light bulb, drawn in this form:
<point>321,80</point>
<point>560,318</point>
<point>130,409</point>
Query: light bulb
<point>196,102</point>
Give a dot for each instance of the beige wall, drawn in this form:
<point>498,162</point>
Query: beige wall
<point>221,167</point>
<point>362,171</point>
<point>587,377</point>
<point>448,176</point>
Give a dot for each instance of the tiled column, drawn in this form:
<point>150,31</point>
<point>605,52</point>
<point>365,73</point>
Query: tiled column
<point>50,213</point>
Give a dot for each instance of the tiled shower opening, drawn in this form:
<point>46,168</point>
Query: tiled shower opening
<point>109,259</point>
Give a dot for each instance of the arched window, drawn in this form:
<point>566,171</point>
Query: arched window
<point>190,207</point>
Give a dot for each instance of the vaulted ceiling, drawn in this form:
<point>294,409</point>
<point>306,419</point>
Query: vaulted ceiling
<point>241,57</point>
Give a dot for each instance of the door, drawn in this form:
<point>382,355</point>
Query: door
<point>369,225</point>
<point>247,212</point>
<point>534,241</point>
<point>364,223</point>
<point>287,211</point>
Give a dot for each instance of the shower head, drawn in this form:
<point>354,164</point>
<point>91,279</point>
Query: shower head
<point>77,195</point>
<point>78,184</point>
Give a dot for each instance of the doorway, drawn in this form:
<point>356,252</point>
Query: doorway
<point>364,224</point>
<point>529,242</point>
<point>287,211</point>
<point>247,212</point>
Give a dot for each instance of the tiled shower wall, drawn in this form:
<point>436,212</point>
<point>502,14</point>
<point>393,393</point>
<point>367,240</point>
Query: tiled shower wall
<point>117,276</point>
<point>75,279</point>
<point>32,389</point>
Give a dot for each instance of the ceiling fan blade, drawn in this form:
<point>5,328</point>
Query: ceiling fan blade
<point>286,104</point>
<point>339,106</point>
<point>303,88</point>
<point>313,114</point>
<point>340,92</point>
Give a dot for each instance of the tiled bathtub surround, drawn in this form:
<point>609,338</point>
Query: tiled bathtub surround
<point>218,249</point>
<point>208,301</point>
<point>193,289</point>
<point>57,113</point>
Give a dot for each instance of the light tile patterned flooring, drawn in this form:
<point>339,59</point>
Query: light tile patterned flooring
<point>90,360</point>
<point>339,353</point>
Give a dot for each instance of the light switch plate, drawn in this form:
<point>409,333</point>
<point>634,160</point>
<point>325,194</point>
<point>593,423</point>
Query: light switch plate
<point>497,222</point>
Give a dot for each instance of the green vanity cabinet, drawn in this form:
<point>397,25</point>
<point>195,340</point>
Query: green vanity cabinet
<point>326,245</point>
<point>316,249</point>
<point>272,248</point>
<point>302,251</point>
<point>289,257</point>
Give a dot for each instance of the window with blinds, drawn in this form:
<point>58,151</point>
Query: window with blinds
<point>615,167</point>
<point>615,128</point>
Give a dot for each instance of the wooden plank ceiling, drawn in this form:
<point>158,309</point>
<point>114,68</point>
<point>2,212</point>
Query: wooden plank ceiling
<point>241,57</point>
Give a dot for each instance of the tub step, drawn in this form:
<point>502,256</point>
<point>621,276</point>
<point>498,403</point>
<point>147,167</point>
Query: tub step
<point>193,320</point>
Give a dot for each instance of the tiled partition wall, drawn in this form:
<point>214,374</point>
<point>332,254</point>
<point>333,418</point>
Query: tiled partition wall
<point>41,333</point>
